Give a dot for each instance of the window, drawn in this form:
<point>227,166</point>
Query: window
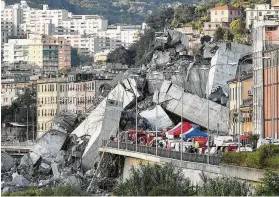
<point>222,12</point>
<point>230,12</point>
<point>260,13</point>
<point>215,12</point>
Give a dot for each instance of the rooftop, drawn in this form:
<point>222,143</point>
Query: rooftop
<point>225,7</point>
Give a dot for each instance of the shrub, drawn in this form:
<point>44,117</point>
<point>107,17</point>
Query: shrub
<point>270,185</point>
<point>155,180</point>
<point>223,186</point>
<point>266,157</point>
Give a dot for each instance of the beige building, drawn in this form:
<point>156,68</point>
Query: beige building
<point>63,94</point>
<point>240,97</point>
<point>225,14</point>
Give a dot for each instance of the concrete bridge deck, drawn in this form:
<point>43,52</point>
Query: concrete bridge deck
<point>192,164</point>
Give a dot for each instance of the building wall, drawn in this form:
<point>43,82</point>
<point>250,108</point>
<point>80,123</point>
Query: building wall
<point>225,15</point>
<point>55,95</point>
<point>271,95</point>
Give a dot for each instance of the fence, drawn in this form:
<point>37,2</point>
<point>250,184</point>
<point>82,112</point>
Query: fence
<point>192,157</point>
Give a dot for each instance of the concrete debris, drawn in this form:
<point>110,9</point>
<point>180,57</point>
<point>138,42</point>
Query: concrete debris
<point>155,79</point>
<point>7,162</point>
<point>194,107</point>
<point>163,121</point>
<point>160,58</point>
<point>44,168</point>
<point>26,161</point>
<point>73,181</point>
<point>55,170</point>
<point>19,180</point>
<point>104,121</point>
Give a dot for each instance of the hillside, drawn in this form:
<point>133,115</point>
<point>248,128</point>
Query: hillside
<point>117,11</point>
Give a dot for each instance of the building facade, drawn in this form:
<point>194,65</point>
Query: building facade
<point>240,100</point>
<point>62,94</point>
<point>225,14</point>
<point>259,13</point>
<point>271,94</point>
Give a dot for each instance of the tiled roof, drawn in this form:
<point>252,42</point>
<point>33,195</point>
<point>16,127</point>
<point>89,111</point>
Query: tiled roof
<point>225,7</point>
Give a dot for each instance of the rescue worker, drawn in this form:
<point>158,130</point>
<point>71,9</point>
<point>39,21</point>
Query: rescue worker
<point>197,146</point>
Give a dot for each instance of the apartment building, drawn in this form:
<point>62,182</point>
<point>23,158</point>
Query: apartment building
<point>116,36</point>
<point>240,97</point>
<point>271,93</point>
<point>56,54</point>
<point>10,90</point>
<point>84,44</point>
<point>265,38</point>
<point>66,93</point>
<point>260,13</point>
<point>47,52</point>
<point>226,14</point>
<point>82,25</point>
<point>275,3</point>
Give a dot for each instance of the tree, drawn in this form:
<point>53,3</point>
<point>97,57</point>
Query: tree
<point>205,38</point>
<point>270,186</point>
<point>237,27</point>
<point>160,18</point>
<point>223,2</point>
<point>184,13</point>
<point>223,186</point>
<point>238,3</point>
<point>155,180</point>
<point>219,34</point>
<point>120,55</point>
<point>19,106</point>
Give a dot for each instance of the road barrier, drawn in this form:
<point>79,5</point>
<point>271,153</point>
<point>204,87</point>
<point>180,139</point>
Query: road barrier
<point>192,157</point>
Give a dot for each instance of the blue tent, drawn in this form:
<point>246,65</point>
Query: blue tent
<point>194,133</point>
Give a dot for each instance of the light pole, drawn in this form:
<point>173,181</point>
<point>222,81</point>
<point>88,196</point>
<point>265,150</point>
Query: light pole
<point>157,100</point>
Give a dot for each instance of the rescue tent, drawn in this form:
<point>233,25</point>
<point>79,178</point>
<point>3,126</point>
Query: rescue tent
<point>176,131</point>
<point>194,133</point>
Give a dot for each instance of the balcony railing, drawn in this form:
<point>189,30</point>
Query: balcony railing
<point>271,45</point>
<point>192,157</point>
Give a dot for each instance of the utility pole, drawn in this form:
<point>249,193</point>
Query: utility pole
<point>33,126</point>
<point>27,107</point>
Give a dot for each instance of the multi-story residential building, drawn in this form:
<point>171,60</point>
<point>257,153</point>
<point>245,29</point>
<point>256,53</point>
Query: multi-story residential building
<point>275,3</point>
<point>260,13</point>
<point>82,25</point>
<point>226,14</point>
<point>10,90</point>
<point>67,93</point>
<point>271,93</point>
<point>240,98</point>
<point>116,36</point>
<point>41,26</point>
<point>265,38</point>
<point>47,52</point>
<point>84,44</point>
<point>56,54</point>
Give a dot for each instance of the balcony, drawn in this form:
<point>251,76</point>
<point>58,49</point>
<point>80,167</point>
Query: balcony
<point>271,45</point>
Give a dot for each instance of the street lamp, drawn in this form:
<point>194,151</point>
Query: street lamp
<point>156,74</point>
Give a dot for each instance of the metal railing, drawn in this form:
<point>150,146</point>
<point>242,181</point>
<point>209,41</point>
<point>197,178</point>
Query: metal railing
<point>192,157</point>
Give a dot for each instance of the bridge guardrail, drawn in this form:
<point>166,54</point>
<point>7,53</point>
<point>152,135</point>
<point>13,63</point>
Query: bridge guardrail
<point>192,157</point>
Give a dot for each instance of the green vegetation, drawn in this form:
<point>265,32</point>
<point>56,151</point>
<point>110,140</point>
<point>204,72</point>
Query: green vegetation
<point>266,157</point>
<point>270,186</point>
<point>160,18</point>
<point>223,186</point>
<point>155,180</point>
<point>17,111</point>
<point>166,180</point>
<point>223,2</point>
<point>78,59</point>
<point>58,191</point>
<point>223,34</point>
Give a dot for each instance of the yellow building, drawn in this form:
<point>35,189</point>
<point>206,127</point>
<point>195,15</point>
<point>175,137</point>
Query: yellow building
<point>47,103</point>
<point>240,96</point>
<point>35,54</point>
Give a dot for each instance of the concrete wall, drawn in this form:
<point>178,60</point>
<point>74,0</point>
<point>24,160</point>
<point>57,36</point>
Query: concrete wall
<point>191,170</point>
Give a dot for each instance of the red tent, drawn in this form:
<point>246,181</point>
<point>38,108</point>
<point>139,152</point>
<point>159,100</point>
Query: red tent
<point>176,131</point>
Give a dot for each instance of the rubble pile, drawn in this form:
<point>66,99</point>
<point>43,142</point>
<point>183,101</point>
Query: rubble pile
<point>53,161</point>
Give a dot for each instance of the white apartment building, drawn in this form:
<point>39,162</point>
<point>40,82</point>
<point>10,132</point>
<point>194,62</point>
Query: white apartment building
<point>82,25</point>
<point>116,36</point>
<point>28,50</point>
<point>258,13</point>
<point>41,27</point>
